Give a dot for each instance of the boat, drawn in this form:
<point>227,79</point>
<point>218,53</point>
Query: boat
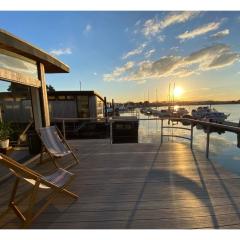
<point>164,113</point>
<point>155,112</point>
<point>200,112</point>
<point>215,116</point>
<point>185,120</point>
<point>146,111</point>
<point>180,112</point>
<point>210,115</point>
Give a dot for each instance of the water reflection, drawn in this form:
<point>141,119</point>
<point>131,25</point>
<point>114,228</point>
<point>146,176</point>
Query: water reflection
<point>223,148</point>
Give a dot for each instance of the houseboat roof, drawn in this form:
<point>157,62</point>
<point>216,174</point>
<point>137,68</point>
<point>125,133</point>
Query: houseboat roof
<point>55,93</point>
<point>75,93</point>
<point>14,44</point>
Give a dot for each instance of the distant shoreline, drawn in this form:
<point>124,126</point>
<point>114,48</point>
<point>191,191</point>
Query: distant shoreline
<point>201,103</point>
<point>180,103</point>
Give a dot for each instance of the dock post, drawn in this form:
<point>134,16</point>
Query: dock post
<point>63,128</point>
<point>191,143</point>
<point>238,136</point>
<point>110,132</point>
<point>105,108</point>
<point>113,107</point>
<point>207,143</point>
<point>161,131</point>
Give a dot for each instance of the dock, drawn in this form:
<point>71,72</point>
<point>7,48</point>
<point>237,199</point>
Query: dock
<point>137,186</point>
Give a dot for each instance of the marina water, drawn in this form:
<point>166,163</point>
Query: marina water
<point>223,147</point>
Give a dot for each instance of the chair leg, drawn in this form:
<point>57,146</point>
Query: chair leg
<point>12,202</point>
<point>41,155</point>
<point>14,191</point>
<point>50,198</point>
<point>75,157</point>
<point>32,199</point>
<point>54,161</point>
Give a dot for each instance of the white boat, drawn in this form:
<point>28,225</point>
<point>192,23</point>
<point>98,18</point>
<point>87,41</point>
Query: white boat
<point>200,112</point>
<point>185,120</point>
<point>180,112</point>
<point>164,113</point>
<point>154,112</point>
<point>146,111</point>
<point>208,114</point>
<point>215,116</point>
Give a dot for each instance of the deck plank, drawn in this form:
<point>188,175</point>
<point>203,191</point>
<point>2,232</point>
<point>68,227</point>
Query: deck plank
<point>138,186</point>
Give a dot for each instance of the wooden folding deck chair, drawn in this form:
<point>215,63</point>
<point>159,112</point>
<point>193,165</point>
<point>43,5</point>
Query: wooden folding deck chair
<point>55,145</point>
<point>57,182</point>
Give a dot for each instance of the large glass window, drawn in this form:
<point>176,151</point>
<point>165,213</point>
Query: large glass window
<point>17,63</point>
<point>83,106</point>
<point>100,107</point>
<point>16,123</point>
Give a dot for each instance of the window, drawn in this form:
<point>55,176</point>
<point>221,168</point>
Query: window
<point>100,107</point>
<point>83,106</point>
<point>17,63</point>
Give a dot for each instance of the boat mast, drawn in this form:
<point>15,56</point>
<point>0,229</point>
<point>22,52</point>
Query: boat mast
<point>173,94</point>
<point>148,95</point>
<point>156,98</point>
<point>169,95</point>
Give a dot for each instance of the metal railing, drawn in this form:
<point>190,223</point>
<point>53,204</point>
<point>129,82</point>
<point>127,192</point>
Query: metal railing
<point>209,127</point>
<point>177,136</point>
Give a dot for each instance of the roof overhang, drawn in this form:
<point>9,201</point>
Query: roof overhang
<point>14,44</point>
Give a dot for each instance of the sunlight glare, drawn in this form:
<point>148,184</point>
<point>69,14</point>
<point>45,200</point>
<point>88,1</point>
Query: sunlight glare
<point>177,92</point>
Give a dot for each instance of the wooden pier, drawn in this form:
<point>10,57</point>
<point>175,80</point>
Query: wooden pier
<point>138,186</point>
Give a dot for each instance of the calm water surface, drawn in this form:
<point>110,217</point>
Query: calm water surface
<point>223,147</point>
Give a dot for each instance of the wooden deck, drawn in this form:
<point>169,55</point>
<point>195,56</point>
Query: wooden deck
<point>139,186</point>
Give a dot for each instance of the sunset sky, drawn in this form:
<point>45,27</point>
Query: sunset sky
<point>125,55</point>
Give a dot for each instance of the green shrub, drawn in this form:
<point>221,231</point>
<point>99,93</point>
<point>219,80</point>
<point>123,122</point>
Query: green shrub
<point>5,130</point>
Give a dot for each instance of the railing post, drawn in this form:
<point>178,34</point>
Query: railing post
<point>63,127</point>
<point>191,143</point>
<point>207,143</point>
<point>110,131</point>
<point>161,131</point>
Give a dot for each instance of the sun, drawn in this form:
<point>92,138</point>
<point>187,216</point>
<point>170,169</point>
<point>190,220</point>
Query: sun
<point>178,91</point>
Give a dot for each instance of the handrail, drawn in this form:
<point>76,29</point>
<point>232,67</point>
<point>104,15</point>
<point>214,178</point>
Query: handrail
<point>193,122</point>
<point>177,136</point>
<point>177,128</point>
<point>209,124</point>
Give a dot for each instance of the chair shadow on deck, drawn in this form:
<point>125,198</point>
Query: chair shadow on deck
<point>199,190</point>
<point>6,220</point>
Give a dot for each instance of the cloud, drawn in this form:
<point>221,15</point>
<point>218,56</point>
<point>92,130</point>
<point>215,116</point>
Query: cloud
<point>199,31</point>
<point>118,71</point>
<point>224,60</point>
<point>138,23</point>
<point>149,53</point>
<point>161,38</point>
<point>153,26</point>
<point>95,74</point>
<point>87,29</point>
<point>214,57</point>
<point>61,51</point>
<point>163,67</point>
<point>174,48</point>
<point>134,52</point>
<point>220,34</point>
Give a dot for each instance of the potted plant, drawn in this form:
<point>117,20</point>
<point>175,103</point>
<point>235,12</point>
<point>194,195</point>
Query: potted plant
<point>5,132</point>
